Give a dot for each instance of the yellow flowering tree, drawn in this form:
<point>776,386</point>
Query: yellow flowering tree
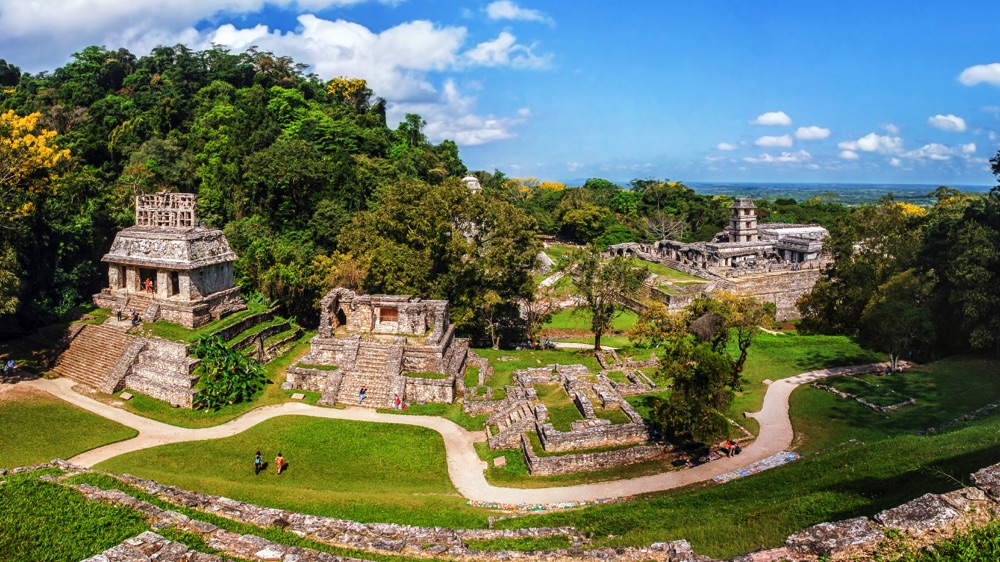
<point>29,162</point>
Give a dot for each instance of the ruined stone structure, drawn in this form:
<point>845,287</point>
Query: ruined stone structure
<point>747,244</point>
<point>775,262</point>
<point>373,342</point>
<point>520,413</point>
<point>169,266</point>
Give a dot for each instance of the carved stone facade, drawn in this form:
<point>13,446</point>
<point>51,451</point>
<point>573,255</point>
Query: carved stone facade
<point>370,341</point>
<point>168,266</point>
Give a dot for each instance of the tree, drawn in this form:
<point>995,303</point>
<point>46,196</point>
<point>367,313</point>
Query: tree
<point>29,162</point>
<point>700,395</point>
<point>607,287</point>
<point>895,326</point>
<point>658,327</point>
<point>536,311</point>
<point>733,314</point>
<point>661,226</point>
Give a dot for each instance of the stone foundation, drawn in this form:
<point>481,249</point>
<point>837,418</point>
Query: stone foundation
<point>587,462</point>
<point>421,391</point>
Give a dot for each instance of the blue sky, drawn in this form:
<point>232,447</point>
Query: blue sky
<point>849,91</point>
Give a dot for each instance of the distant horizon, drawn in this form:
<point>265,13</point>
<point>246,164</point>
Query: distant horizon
<point>803,184</point>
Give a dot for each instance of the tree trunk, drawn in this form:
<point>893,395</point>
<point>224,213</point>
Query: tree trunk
<point>597,341</point>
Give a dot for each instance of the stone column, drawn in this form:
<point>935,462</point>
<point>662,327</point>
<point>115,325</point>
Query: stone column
<point>162,283</point>
<point>132,279</point>
<point>113,280</point>
<point>184,282</point>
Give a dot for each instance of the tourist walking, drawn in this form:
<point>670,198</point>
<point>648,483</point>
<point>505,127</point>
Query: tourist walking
<point>398,402</point>
<point>279,461</point>
<point>257,462</point>
<point>362,394</point>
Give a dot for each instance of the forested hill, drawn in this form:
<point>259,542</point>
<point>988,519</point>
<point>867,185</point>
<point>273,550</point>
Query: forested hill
<point>287,164</point>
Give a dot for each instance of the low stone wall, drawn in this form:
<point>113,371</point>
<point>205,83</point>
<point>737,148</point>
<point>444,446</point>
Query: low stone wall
<point>421,391</point>
<point>862,401</point>
<point>312,380</point>
<point>591,437</point>
<point>230,332</point>
<point>587,462</point>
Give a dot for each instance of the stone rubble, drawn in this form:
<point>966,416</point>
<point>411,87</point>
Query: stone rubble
<point>923,521</point>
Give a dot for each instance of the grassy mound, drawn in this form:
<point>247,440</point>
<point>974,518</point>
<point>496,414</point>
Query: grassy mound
<point>361,471</point>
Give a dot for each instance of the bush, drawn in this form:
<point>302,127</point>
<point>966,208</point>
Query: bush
<point>228,376</point>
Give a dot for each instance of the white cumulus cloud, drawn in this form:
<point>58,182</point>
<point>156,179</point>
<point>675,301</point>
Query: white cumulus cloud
<point>505,51</point>
<point>873,142</point>
<point>726,146</point>
<point>895,162</point>
<point>783,141</point>
<point>849,155</point>
<point>506,10</point>
<point>783,158</point>
<point>812,133</point>
<point>989,73</point>
<point>941,153</point>
<point>772,118</point>
<point>947,122</point>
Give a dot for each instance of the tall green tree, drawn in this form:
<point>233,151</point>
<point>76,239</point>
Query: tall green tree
<point>607,287</point>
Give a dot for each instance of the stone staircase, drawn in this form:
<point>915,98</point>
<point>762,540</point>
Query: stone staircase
<point>93,355</point>
<point>376,368</point>
<point>163,370</point>
<point>511,422</point>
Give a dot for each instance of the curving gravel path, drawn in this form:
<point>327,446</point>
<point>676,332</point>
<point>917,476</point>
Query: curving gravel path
<point>464,466</point>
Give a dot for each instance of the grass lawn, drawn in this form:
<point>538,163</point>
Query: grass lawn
<point>515,473</point>
<point>761,510</point>
<point>562,411</point>
<point>777,357</point>
<point>579,319</point>
<point>557,251</point>
<point>453,412</point>
<point>868,387</point>
<point>525,358</point>
<point>36,427</point>
<point>368,472</point>
<point>183,417</point>
<point>944,391</point>
<point>178,333</point>
<point>46,522</point>
<point>606,341</point>
<point>667,273</point>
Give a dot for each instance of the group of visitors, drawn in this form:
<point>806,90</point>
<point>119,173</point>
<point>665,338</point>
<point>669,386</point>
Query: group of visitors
<point>731,447</point>
<point>133,314</point>
<point>258,463</point>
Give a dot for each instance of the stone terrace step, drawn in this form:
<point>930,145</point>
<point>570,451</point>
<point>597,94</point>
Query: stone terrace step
<point>378,394</point>
<point>92,354</point>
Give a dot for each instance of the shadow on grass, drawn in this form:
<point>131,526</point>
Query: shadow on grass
<point>943,475</point>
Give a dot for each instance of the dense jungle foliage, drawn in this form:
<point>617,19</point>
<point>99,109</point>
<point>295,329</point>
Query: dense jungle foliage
<point>314,189</point>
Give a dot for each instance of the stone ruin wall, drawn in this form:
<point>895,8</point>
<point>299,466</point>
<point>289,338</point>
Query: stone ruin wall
<point>421,391</point>
<point>608,435</point>
<point>587,462</point>
<point>922,521</point>
<point>783,289</point>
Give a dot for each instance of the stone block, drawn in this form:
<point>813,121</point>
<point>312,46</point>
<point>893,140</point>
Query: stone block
<point>298,396</point>
<point>925,513</point>
<point>988,479</point>
<point>825,539</point>
<point>499,461</point>
<point>125,396</point>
